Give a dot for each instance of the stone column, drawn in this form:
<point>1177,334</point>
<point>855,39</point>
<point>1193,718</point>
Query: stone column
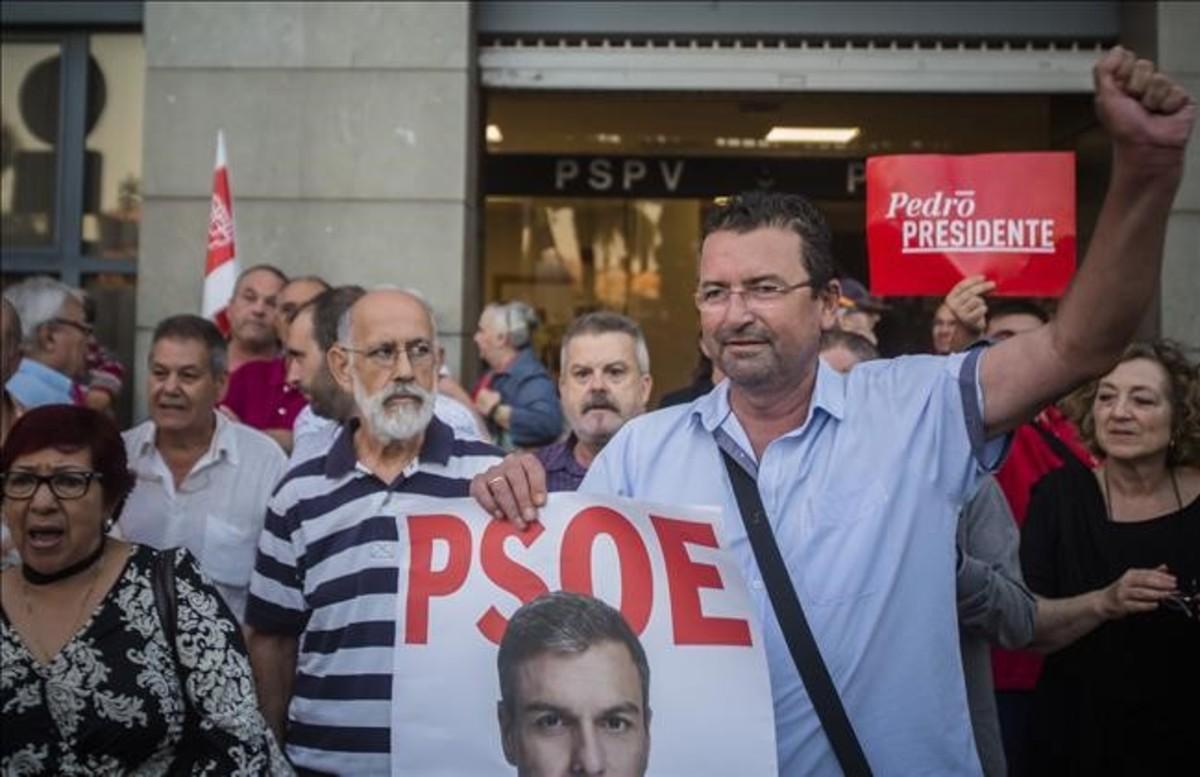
<point>1179,55</point>
<point>352,139</point>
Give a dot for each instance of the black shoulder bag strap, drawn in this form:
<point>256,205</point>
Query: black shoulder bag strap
<point>1060,448</point>
<point>163,583</point>
<point>794,625</point>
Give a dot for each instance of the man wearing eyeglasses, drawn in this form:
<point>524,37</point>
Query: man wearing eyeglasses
<point>605,381</point>
<point>861,476</point>
<point>322,606</point>
<point>55,342</point>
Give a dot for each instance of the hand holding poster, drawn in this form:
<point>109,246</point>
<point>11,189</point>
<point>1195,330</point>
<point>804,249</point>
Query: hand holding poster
<point>702,705</point>
<point>933,220</point>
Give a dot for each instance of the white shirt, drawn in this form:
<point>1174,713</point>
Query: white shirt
<point>218,510</point>
<point>456,415</point>
<point>313,435</point>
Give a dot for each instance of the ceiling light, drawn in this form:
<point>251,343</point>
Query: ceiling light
<point>493,134</point>
<point>840,135</point>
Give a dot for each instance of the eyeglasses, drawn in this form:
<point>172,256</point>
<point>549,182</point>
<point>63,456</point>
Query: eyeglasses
<point>712,297</point>
<point>64,485</point>
<point>1187,602</point>
<point>386,355</point>
<point>86,329</point>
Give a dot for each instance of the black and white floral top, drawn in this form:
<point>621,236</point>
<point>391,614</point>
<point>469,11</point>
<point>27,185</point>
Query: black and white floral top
<point>110,702</point>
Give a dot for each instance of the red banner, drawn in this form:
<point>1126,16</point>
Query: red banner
<point>934,219</point>
<point>220,262</point>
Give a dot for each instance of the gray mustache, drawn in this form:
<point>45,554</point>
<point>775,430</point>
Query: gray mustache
<point>600,403</point>
<point>406,391</point>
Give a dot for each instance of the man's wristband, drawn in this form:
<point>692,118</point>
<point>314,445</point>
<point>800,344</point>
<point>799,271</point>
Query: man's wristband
<point>491,415</point>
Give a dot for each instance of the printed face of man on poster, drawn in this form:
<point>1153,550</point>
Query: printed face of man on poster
<point>574,686</point>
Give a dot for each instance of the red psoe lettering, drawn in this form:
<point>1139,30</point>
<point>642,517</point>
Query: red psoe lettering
<point>685,578</point>
<point>637,582</point>
<point>517,580</point>
<point>424,582</point>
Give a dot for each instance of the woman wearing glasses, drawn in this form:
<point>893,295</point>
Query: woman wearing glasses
<point>89,681</point>
<point>1115,551</point>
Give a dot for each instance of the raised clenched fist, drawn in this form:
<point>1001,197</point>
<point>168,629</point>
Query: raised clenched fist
<point>1140,107</point>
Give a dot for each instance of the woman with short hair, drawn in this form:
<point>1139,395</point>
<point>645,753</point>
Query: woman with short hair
<point>89,681</point>
<point>1119,546</point>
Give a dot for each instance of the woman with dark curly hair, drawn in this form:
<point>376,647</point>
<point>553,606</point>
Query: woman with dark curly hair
<point>100,672</point>
<point>1117,550</point>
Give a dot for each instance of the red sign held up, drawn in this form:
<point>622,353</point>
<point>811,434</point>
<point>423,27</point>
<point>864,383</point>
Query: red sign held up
<point>934,219</point>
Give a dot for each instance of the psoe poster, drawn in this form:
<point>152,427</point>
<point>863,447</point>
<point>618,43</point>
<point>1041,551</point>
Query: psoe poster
<point>636,654</point>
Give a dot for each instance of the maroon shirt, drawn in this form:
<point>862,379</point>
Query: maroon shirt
<point>563,470</point>
<point>260,396</point>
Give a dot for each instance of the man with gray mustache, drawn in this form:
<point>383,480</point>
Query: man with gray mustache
<point>605,381</point>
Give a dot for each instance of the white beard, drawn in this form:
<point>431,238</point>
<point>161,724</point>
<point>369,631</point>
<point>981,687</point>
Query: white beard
<point>400,423</point>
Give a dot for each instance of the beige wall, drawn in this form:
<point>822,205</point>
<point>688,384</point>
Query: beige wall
<point>1178,30</point>
<point>352,148</point>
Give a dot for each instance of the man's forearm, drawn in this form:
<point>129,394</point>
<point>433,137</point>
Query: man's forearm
<point>273,658</point>
<point>1100,313</point>
<point>1104,307</point>
<point>993,605</point>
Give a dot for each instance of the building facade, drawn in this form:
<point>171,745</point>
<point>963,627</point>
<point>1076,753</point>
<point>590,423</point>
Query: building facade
<point>558,152</point>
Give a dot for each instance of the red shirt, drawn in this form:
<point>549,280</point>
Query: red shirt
<point>1029,460</point>
<point>260,396</point>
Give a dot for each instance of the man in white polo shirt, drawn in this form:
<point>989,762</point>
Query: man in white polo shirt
<point>203,481</point>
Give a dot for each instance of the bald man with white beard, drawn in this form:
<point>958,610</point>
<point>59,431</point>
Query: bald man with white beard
<point>386,358</point>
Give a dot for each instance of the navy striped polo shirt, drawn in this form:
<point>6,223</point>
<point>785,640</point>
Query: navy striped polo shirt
<point>327,573</point>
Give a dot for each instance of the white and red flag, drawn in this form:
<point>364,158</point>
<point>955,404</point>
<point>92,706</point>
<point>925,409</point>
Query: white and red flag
<point>221,265</point>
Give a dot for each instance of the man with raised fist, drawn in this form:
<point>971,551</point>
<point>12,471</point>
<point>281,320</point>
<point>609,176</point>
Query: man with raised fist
<point>861,475</point>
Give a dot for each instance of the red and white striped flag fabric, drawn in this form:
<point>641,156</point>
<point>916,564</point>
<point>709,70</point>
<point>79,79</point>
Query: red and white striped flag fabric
<point>221,265</point>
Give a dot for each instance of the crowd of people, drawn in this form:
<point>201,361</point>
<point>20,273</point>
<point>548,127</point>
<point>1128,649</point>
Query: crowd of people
<point>213,591</point>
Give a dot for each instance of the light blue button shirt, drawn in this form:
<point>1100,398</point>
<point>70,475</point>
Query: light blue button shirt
<point>34,384</point>
<point>863,498</point>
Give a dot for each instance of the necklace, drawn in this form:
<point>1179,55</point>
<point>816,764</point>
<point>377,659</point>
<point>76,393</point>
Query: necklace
<point>42,578</point>
<point>44,655</point>
<point>1108,491</point>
